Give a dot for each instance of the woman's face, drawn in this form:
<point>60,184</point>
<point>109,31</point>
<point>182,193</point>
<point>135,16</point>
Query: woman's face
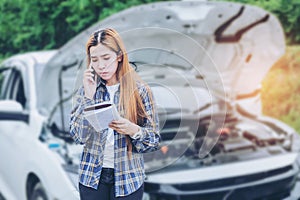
<point>105,63</point>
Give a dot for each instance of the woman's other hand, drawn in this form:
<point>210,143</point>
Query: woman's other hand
<point>89,83</point>
<point>124,126</point>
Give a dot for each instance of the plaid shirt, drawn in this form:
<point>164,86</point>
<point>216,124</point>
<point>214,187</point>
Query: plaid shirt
<point>129,171</point>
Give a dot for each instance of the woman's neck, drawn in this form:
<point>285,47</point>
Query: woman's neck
<point>111,82</point>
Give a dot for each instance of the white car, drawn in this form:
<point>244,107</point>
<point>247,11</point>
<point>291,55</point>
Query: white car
<point>30,164</point>
<point>204,62</point>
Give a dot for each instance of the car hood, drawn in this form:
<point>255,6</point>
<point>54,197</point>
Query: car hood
<point>229,45</point>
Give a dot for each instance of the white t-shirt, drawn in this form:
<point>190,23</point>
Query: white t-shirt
<point>108,160</point>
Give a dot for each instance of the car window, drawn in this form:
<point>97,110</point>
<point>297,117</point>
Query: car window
<point>5,74</point>
<point>12,86</point>
<point>17,92</point>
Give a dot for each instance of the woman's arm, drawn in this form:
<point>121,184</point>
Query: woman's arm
<point>80,128</point>
<point>149,138</point>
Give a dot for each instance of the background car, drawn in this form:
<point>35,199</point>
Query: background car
<point>30,166</point>
<point>204,62</point>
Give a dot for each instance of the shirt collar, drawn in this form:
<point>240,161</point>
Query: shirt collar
<point>100,81</point>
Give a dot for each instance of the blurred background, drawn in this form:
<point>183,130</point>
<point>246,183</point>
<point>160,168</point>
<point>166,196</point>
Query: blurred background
<point>39,25</point>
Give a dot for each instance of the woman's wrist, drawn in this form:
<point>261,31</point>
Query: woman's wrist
<point>135,129</point>
<point>136,133</point>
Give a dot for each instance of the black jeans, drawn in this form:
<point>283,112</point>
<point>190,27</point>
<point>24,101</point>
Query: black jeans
<point>106,189</point>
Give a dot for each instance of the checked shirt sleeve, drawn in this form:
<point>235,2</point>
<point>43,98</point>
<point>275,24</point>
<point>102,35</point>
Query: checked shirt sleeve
<point>80,129</point>
<point>150,137</point>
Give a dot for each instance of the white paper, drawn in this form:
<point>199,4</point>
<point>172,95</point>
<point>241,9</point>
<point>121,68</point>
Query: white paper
<point>100,115</point>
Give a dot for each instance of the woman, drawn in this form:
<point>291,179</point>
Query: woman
<point>112,165</point>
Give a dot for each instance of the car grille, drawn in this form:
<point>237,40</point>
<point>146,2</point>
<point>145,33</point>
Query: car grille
<point>231,181</point>
<point>228,188</point>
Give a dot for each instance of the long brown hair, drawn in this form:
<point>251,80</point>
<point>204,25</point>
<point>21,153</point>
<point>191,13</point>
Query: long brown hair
<point>130,104</point>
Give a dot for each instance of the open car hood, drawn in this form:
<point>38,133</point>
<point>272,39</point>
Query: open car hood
<point>229,45</point>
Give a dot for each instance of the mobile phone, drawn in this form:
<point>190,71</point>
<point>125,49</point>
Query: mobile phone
<point>94,73</point>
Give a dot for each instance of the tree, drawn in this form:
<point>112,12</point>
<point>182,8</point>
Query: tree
<point>35,25</point>
<point>28,25</point>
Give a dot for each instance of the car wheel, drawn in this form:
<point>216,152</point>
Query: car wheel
<point>38,192</point>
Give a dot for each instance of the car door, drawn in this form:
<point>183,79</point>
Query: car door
<point>14,130</point>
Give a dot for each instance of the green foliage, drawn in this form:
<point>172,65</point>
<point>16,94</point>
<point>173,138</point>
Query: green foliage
<point>48,24</point>
<point>35,25</point>
<point>31,25</point>
<point>287,11</point>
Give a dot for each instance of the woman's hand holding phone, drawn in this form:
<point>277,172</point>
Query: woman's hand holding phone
<point>89,82</point>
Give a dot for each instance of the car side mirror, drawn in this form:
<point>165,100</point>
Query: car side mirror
<point>11,106</point>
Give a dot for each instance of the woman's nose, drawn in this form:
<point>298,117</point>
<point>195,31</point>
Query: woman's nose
<point>100,66</point>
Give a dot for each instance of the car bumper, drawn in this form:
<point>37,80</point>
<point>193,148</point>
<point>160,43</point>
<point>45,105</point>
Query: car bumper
<point>275,184</point>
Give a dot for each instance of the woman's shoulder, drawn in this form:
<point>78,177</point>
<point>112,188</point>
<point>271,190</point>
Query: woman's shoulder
<point>144,90</point>
<point>142,86</point>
